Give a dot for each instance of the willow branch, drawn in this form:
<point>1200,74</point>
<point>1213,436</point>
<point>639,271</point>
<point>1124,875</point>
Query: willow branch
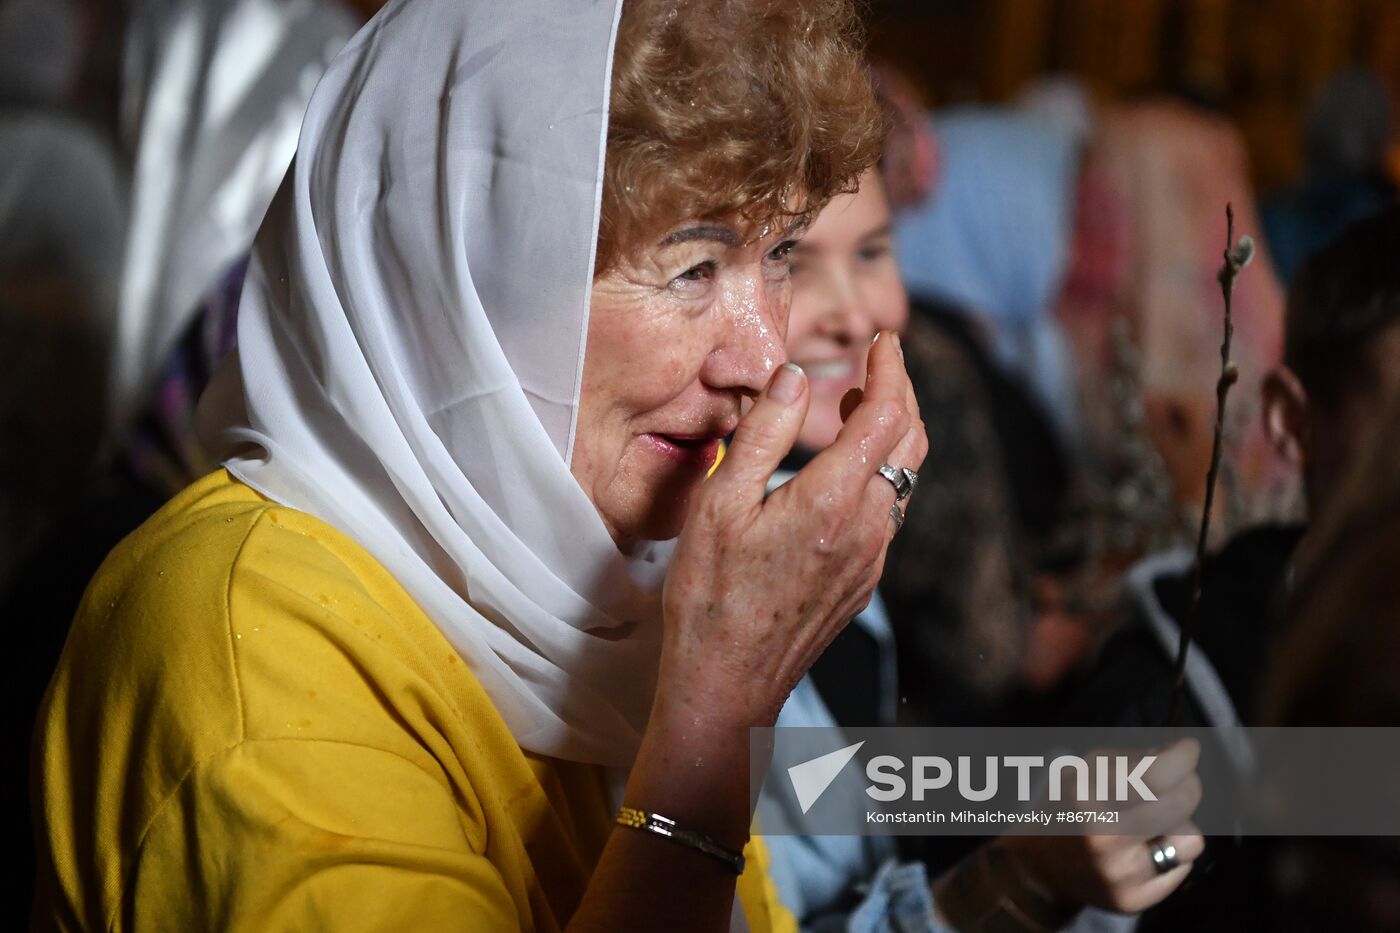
<point>1237,256</point>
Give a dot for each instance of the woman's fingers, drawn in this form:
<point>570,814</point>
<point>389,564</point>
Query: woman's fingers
<point>1118,872</point>
<point>876,420</point>
<point>1174,763</point>
<point>764,437</point>
<point>884,368</point>
<point>1140,884</point>
<point>881,425</point>
<point>839,475</point>
<point>911,449</point>
<point>1184,840</point>
<point>886,377</point>
<point>1171,779</point>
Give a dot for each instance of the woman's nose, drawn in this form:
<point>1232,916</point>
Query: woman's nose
<point>846,316</point>
<point>751,345</point>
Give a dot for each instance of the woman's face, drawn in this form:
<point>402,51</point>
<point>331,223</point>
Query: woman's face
<point>845,289</point>
<point>679,335</point>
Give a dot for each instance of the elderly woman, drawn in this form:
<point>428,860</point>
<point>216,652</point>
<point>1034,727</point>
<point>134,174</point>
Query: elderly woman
<point>415,652</point>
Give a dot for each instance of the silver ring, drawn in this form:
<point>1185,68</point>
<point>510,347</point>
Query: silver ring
<point>902,479</point>
<point>897,514</point>
<point>1163,855</point>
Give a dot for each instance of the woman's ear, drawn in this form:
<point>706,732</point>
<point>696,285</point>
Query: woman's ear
<point>1285,409</point>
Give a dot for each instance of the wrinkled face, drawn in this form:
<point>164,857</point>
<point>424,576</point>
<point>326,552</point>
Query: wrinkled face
<point>680,334</point>
<point>845,289</point>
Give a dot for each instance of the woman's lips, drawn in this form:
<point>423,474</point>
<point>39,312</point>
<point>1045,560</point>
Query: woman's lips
<point>695,449</point>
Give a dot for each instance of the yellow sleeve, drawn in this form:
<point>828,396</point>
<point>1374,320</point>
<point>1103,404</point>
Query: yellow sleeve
<point>282,835</point>
<point>763,909</point>
<point>299,834</point>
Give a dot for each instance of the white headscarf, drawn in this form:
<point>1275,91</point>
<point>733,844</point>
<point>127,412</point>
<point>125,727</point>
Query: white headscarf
<point>411,348</point>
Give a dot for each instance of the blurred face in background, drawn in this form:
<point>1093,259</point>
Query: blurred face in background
<point>845,289</point>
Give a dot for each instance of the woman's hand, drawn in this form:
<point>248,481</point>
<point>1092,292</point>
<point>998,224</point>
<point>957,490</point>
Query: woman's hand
<point>1116,872</point>
<point>759,587</point>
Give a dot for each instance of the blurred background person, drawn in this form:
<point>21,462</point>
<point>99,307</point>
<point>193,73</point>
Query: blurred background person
<point>1334,665</point>
<point>978,582</point>
<point>846,289</point>
<point>1347,141</point>
<point>1068,248</point>
<point>1081,236</point>
<point>147,136</point>
<point>993,236</point>
<point>1323,406</point>
<point>62,218</point>
<point>142,143</point>
<point>1142,309</point>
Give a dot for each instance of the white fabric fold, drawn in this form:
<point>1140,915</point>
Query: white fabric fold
<point>212,95</point>
<point>411,341</point>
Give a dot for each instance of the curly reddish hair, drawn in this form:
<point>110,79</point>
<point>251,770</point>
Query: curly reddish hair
<point>760,110</point>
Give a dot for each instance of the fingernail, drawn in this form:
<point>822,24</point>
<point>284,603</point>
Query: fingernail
<point>787,385</point>
<point>897,346</point>
<point>876,338</point>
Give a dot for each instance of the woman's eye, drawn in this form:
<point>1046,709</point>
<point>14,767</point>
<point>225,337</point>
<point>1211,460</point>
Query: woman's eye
<point>873,251</point>
<point>697,273</point>
<point>782,251</point>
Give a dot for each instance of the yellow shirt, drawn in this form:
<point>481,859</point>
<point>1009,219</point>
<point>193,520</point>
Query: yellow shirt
<point>253,726</point>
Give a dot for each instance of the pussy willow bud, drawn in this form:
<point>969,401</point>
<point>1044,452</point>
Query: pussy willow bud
<point>1243,253</point>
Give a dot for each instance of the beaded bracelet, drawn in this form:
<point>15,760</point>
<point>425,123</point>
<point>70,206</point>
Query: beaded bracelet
<point>656,823</point>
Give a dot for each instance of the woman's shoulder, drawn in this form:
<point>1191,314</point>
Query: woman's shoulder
<point>245,667</point>
<point>228,618</point>
<point>148,632</point>
<point>224,590</point>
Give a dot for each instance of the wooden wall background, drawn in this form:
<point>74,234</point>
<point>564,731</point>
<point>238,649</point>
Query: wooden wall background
<point>1260,61</point>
